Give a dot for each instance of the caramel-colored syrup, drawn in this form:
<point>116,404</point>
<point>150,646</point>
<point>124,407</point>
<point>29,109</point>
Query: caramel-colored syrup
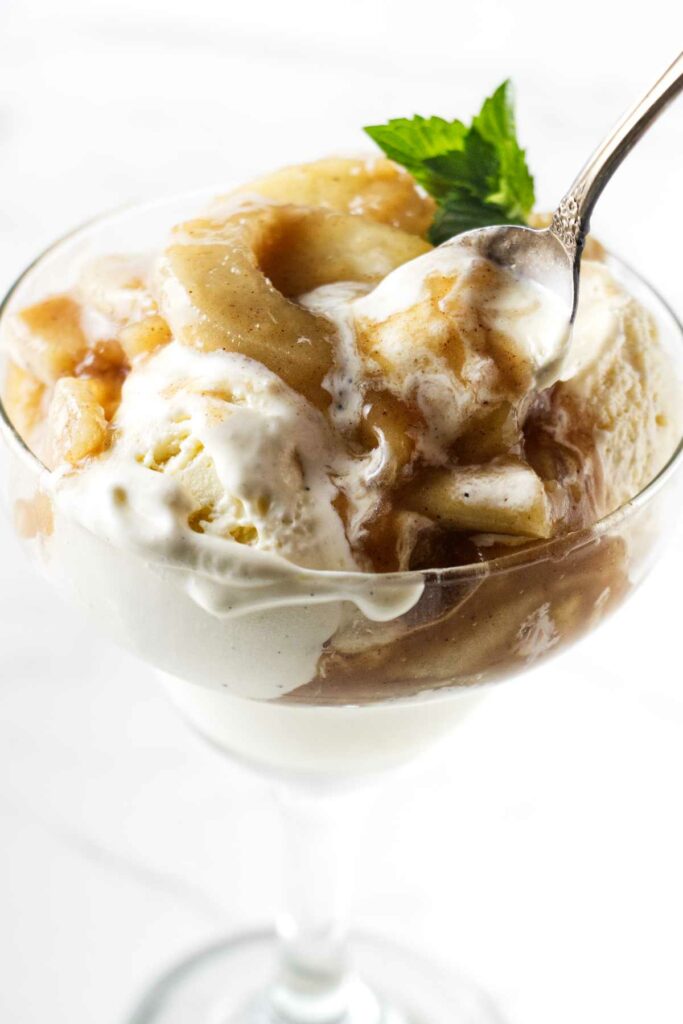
<point>559,444</point>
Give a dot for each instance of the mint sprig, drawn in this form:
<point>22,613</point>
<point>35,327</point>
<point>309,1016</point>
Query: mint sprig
<point>478,174</point>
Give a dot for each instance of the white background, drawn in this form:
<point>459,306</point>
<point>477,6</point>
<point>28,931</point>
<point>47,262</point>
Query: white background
<point>540,851</point>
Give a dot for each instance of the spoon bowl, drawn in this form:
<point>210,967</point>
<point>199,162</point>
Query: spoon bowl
<point>534,254</point>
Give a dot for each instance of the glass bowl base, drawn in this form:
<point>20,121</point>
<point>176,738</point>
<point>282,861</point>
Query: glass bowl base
<point>221,985</point>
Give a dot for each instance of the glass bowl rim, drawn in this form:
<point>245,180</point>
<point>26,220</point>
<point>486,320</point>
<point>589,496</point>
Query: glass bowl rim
<point>529,554</point>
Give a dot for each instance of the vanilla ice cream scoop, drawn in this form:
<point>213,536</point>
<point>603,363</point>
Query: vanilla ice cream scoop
<point>459,335</point>
<point>249,457</point>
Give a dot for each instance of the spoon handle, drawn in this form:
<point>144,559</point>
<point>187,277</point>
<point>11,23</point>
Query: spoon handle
<point>571,219</point>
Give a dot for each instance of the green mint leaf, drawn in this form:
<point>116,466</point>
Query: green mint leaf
<point>478,175</point>
<point>475,169</point>
<point>495,122</point>
<point>413,141</point>
<point>462,212</point>
<point>496,119</point>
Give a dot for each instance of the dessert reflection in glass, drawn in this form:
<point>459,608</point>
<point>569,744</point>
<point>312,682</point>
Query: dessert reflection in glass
<point>331,482</point>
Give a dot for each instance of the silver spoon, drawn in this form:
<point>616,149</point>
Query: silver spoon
<point>552,256</point>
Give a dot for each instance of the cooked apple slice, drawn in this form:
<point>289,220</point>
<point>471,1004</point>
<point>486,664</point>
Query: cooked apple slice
<point>504,497</point>
<point>376,188</point>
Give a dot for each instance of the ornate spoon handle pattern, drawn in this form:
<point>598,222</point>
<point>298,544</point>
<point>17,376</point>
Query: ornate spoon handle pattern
<point>572,217</point>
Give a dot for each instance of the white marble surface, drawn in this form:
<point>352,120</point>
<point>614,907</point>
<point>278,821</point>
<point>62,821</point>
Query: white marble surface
<point>540,851</point>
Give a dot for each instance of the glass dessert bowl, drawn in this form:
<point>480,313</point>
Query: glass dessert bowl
<point>319,677</point>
